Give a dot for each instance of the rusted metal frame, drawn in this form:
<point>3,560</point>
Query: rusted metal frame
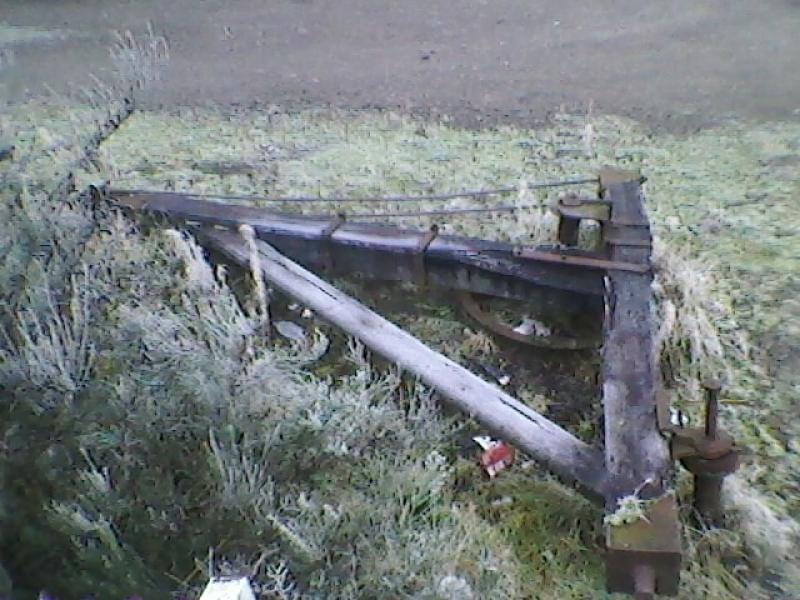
<point>644,560</point>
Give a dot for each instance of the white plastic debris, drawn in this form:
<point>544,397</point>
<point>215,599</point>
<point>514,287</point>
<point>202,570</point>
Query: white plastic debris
<point>294,307</point>
<point>307,313</point>
<point>484,441</point>
<point>678,418</point>
<point>500,376</point>
<point>504,501</point>
<point>453,587</point>
<point>533,327</point>
<point>228,588</point>
<point>291,331</point>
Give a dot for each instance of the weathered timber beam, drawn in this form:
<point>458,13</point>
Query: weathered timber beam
<point>643,557</point>
<point>635,450</point>
<point>391,253</point>
<point>506,417</point>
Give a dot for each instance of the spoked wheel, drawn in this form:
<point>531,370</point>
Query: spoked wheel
<point>502,323</point>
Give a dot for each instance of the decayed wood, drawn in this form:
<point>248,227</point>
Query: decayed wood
<point>504,416</point>
<point>635,451</point>
<point>393,254</point>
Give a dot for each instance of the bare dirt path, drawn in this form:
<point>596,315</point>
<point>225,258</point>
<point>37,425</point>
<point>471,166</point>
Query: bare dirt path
<point>673,63</point>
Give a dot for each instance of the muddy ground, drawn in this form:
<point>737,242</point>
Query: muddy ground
<point>676,63</point>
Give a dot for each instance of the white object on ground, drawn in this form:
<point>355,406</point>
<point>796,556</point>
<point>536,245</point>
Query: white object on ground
<point>291,331</point>
<point>484,441</point>
<point>224,588</point>
<point>532,327</point>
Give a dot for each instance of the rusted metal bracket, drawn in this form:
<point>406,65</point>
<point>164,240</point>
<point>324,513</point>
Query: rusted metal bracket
<point>580,207</point>
<point>327,242</point>
<point>581,261</point>
<point>420,272</point>
<point>571,209</point>
<point>708,453</point>
<point>644,556</point>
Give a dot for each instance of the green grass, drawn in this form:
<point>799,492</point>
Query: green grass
<point>724,200</point>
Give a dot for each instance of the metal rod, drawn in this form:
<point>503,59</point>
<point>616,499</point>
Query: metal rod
<point>712,408</point>
<point>446,211</point>
<point>402,198</point>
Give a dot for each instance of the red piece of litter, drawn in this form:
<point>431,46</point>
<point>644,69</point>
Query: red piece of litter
<point>498,457</point>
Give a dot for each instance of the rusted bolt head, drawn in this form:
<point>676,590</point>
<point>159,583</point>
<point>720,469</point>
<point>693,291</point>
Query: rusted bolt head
<point>693,442</point>
<point>711,449</point>
<point>724,465</point>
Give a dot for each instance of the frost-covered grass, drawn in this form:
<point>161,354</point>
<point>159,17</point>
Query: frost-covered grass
<point>12,35</point>
<point>164,357</point>
<point>181,429</point>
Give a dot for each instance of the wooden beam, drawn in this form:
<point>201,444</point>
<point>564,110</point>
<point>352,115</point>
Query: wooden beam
<point>388,252</point>
<point>637,456</point>
<point>504,416</point>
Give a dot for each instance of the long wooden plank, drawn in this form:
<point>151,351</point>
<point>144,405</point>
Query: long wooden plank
<point>385,251</point>
<point>503,415</point>
<point>637,456</point>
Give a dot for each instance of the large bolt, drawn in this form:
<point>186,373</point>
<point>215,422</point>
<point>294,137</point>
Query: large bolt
<point>708,484</point>
<point>712,387</point>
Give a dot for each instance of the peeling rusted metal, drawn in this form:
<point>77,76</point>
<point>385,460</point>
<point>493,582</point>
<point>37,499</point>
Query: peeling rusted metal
<point>583,261</point>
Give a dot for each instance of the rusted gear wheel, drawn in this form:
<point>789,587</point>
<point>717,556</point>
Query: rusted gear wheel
<point>491,322</point>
